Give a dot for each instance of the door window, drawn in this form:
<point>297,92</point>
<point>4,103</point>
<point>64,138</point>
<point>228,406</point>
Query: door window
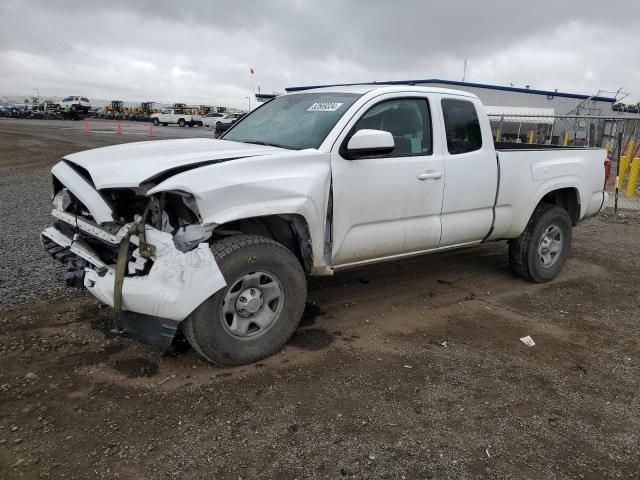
<point>408,120</point>
<point>462,126</point>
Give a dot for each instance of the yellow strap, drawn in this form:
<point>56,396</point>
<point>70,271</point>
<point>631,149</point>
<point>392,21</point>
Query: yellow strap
<point>146,251</point>
<point>121,266</point>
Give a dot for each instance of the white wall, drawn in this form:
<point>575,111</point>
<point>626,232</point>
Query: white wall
<point>561,105</point>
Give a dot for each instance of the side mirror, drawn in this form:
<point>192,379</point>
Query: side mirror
<point>367,142</point>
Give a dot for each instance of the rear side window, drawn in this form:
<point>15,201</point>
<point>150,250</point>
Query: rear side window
<point>85,99</point>
<point>462,126</point>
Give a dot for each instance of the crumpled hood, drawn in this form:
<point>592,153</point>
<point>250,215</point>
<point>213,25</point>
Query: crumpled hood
<point>130,164</point>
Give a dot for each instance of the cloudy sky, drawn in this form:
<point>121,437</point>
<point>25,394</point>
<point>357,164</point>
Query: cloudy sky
<point>201,51</point>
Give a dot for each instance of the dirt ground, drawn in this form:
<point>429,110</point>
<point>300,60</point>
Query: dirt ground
<point>411,369</point>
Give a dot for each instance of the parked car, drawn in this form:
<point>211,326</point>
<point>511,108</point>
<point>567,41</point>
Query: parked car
<point>210,119</point>
<point>177,116</point>
<point>229,119</point>
<point>215,237</point>
<point>75,108</point>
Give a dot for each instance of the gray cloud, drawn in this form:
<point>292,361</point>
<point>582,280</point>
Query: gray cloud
<point>201,51</point>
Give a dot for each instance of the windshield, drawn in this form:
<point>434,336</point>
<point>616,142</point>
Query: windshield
<point>298,121</point>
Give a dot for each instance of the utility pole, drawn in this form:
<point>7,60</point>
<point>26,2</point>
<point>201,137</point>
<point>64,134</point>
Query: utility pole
<point>464,71</point>
<point>249,98</point>
<point>38,92</point>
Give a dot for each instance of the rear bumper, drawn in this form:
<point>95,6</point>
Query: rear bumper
<point>597,203</point>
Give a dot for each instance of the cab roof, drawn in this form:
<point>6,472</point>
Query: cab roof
<point>364,89</point>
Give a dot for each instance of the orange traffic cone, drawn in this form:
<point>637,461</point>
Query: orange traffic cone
<point>150,132</point>
<point>119,129</point>
<point>87,126</point>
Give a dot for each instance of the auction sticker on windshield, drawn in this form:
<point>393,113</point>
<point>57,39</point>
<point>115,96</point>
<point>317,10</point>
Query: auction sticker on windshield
<point>324,107</point>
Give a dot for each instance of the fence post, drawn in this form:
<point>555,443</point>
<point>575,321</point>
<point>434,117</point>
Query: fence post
<point>499,132</point>
<point>615,207</point>
<point>633,177</point>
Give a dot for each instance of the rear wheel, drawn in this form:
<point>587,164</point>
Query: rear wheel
<point>539,254</point>
<point>258,310</point>
<point>156,122</point>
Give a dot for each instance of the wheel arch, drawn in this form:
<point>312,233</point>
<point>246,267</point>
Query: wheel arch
<point>289,229</point>
<point>565,195</point>
<point>567,198</point>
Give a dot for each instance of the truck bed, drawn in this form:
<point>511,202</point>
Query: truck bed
<point>527,171</point>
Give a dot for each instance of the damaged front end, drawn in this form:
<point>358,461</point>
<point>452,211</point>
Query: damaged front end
<point>145,255</point>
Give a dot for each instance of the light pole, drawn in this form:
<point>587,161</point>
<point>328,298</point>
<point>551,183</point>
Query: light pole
<point>249,98</point>
<point>38,92</point>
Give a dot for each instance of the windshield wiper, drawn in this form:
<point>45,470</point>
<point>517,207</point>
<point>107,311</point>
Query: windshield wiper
<point>266,144</point>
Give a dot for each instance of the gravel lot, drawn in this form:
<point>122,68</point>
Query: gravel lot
<point>406,370</point>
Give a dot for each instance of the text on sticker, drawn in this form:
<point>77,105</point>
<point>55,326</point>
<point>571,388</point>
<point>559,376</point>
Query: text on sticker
<point>324,107</point>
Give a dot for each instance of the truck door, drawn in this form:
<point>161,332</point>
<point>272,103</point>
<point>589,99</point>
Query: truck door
<point>389,204</point>
<point>472,171</point>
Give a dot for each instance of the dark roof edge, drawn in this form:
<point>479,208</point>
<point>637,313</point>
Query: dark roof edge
<point>466,84</point>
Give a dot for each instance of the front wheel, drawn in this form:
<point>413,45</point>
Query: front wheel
<point>156,122</point>
<point>258,310</point>
<point>542,250</point>
<point>181,122</point>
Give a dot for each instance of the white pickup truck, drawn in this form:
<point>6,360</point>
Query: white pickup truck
<point>176,116</point>
<point>215,237</point>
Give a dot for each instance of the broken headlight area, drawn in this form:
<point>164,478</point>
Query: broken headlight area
<point>177,213</point>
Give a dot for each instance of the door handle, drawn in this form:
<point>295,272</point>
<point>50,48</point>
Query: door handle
<point>430,176</point>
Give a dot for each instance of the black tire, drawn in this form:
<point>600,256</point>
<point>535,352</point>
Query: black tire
<point>190,124</point>
<point>156,122</point>
<point>181,122</point>
<point>523,251</point>
<point>238,256</point>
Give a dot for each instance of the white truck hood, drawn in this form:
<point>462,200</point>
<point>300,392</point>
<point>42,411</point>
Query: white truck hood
<point>130,164</point>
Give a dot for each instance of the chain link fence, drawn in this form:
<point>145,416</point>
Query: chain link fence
<point>583,131</point>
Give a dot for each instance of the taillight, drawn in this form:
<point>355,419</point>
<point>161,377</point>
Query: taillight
<point>607,170</point>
